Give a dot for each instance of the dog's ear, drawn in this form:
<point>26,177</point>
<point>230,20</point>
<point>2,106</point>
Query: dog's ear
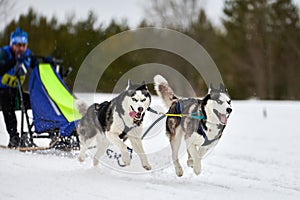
<point>144,85</point>
<point>211,88</point>
<point>222,88</point>
<point>129,84</point>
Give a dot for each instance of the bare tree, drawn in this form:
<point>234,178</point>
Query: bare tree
<point>177,14</point>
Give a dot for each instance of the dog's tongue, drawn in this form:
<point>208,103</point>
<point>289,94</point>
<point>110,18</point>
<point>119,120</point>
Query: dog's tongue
<point>132,114</point>
<point>223,118</point>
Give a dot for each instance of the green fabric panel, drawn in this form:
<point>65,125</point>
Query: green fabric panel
<point>58,93</point>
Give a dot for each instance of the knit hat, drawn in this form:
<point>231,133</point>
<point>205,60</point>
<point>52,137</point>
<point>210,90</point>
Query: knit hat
<point>18,36</point>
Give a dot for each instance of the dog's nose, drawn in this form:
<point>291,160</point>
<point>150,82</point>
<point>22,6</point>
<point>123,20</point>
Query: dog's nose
<point>229,110</point>
<point>140,109</point>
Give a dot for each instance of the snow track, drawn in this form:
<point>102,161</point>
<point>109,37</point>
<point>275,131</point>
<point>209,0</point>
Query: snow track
<point>257,158</point>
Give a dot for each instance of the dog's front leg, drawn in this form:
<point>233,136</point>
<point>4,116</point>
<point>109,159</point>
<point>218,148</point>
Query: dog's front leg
<point>202,151</point>
<point>190,160</point>
<point>137,146</point>
<point>191,144</point>
<point>196,159</point>
<point>115,140</point>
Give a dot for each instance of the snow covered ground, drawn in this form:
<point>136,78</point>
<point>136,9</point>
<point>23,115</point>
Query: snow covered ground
<point>258,157</point>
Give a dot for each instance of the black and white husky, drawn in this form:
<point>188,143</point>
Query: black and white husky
<point>112,122</point>
<point>202,122</point>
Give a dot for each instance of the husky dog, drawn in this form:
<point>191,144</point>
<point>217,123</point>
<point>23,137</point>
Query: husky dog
<point>113,122</point>
<point>202,122</point>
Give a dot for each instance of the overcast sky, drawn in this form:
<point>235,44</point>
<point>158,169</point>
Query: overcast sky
<point>132,10</point>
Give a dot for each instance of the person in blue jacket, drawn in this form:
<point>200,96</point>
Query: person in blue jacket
<point>15,60</point>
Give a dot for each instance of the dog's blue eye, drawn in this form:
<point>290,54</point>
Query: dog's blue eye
<point>229,102</point>
<point>219,101</point>
<point>134,99</point>
<point>143,100</point>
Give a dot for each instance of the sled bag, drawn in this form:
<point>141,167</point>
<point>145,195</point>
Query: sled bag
<point>52,102</point>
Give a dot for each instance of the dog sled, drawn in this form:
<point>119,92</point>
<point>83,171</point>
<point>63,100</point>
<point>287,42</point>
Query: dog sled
<point>53,115</point>
<point>52,105</point>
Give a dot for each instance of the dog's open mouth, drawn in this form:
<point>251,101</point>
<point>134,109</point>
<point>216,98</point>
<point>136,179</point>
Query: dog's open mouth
<point>135,115</point>
<point>222,117</point>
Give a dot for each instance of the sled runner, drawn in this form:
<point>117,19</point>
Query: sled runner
<point>33,147</point>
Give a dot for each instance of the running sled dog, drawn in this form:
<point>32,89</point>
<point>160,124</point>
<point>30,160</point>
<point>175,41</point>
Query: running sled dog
<point>113,122</point>
<point>201,123</point>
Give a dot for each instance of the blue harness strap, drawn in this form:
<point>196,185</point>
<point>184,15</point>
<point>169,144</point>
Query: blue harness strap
<point>178,109</point>
<point>201,131</point>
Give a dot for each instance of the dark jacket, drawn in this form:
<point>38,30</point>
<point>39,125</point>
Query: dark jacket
<point>9,67</point>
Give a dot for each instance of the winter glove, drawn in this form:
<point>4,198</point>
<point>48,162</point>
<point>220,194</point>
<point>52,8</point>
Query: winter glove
<point>20,70</point>
<point>34,62</point>
<point>21,59</point>
<point>49,59</point>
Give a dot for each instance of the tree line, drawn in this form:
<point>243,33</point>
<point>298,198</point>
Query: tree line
<point>257,49</point>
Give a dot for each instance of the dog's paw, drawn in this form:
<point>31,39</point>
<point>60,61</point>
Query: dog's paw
<point>179,171</point>
<point>80,159</point>
<point>147,167</point>
<point>126,158</point>
<point>95,162</point>
<point>190,163</point>
<point>197,169</point>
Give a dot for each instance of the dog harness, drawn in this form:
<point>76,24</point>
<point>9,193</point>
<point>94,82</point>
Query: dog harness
<point>101,114</point>
<point>202,124</point>
<point>101,111</point>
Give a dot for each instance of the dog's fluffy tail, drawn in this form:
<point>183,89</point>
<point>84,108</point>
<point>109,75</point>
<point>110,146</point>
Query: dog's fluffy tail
<point>163,90</point>
<point>81,106</point>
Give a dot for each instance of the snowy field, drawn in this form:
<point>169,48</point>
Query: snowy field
<point>258,157</point>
